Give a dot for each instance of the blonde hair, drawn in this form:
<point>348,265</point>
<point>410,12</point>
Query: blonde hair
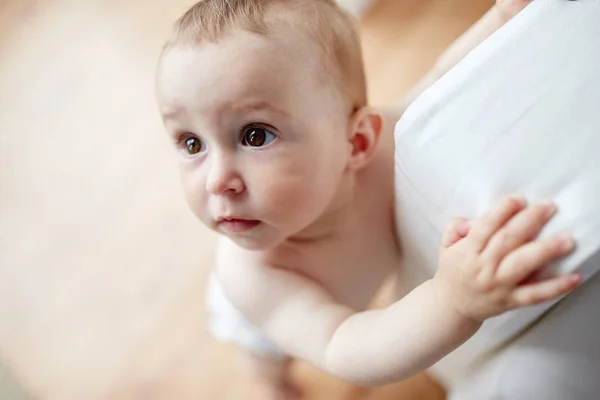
<point>332,29</point>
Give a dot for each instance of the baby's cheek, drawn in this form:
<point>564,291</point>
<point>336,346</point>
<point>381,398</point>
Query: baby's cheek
<point>297,196</point>
<point>194,194</point>
<point>195,203</point>
<point>282,195</point>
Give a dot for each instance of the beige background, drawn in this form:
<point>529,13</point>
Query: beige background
<point>102,267</point>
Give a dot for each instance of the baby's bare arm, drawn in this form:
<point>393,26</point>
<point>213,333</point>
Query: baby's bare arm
<point>367,348</point>
<point>290,309</point>
<point>480,276</point>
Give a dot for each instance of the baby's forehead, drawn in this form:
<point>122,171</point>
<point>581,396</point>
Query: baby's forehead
<point>314,33</point>
<point>241,73</point>
<point>242,58</point>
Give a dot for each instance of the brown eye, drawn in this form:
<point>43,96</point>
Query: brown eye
<point>194,145</point>
<point>255,136</point>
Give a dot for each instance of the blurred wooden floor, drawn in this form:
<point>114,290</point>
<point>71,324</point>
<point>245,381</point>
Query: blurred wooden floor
<point>102,268</point>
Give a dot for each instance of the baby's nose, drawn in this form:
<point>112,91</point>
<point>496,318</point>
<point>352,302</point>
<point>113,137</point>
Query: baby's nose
<point>223,180</point>
<point>231,186</point>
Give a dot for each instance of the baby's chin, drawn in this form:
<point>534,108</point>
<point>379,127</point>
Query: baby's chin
<point>254,241</point>
<point>252,244</point>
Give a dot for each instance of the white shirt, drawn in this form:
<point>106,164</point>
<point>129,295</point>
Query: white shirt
<point>521,113</point>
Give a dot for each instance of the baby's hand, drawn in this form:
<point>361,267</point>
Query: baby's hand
<point>484,266</point>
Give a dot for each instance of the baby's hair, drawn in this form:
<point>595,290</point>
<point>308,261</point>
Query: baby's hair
<point>332,29</point>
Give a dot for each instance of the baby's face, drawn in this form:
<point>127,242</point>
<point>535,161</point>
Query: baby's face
<point>261,136</point>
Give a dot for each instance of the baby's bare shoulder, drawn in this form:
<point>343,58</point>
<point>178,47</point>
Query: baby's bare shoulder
<point>258,290</point>
<point>233,264</point>
<point>240,276</point>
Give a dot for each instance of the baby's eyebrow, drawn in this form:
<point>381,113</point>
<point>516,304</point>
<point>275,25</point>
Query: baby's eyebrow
<point>261,106</point>
<point>170,114</point>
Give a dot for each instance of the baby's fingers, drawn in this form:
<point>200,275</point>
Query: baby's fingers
<point>522,228</point>
<point>457,229</point>
<point>550,289</point>
<point>487,225</point>
<point>531,257</point>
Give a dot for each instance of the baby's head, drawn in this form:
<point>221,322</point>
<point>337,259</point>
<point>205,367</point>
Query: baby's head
<point>266,103</point>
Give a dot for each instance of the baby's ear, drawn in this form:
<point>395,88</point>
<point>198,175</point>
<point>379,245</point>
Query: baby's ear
<point>364,129</point>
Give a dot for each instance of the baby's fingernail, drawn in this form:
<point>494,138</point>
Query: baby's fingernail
<point>519,199</point>
<point>566,242</point>
<point>549,208</point>
<point>575,278</point>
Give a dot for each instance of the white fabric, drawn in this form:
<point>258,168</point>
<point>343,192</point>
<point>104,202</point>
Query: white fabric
<point>556,359</point>
<point>521,113</point>
<point>227,324</point>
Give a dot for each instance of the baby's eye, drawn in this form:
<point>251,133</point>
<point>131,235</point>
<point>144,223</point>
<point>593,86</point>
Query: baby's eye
<point>255,136</point>
<point>194,145</point>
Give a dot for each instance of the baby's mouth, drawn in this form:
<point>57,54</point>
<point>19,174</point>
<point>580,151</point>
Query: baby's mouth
<point>236,225</point>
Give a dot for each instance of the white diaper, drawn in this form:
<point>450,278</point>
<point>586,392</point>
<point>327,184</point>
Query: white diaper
<point>521,113</point>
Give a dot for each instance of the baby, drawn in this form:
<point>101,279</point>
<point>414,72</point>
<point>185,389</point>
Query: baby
<point>265,101</point>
